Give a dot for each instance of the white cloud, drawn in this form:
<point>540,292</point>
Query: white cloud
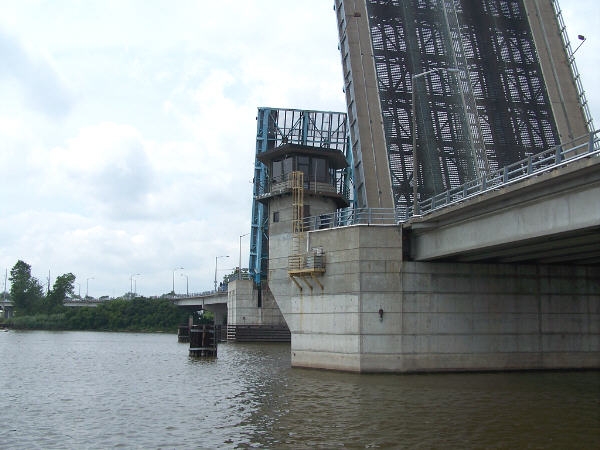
<point>36,77</point>
<point>104,167</point>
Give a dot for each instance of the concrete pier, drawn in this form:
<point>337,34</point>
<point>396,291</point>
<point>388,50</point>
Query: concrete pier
<point>378,313</point>
<point>253,314</point>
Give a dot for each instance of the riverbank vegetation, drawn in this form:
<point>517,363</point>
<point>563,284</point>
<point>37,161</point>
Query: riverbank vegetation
<point>139,314</point>
<point>34,310</point>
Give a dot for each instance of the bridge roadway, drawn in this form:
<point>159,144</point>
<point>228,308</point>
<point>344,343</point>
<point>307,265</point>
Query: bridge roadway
<point>553,217</point>
<point>192,302</point>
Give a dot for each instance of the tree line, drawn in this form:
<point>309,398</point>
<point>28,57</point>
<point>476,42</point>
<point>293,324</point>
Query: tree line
<point>34,310</point>
<point>27,293</point>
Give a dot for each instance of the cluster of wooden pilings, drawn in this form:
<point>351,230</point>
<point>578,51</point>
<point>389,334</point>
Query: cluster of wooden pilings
<point>203,341</point>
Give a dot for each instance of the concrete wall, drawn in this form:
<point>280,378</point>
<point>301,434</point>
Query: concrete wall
<point>220,312</point>
<point>242,306</point>
<point>499,317</point>
<point>336,326</point>
<point>436,316</point>
<point>280,244</point>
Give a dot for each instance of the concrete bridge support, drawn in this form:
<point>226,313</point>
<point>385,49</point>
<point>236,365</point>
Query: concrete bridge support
<point>7,310</point>
<point>378,313</point>
<point>246,308</point>
<point>253,314</point>
<point>220,312</point>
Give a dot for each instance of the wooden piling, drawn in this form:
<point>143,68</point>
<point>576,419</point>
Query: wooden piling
<point>183,333</point>
<point>203,341</point>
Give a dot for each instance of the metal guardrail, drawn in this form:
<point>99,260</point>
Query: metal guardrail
<point>352,216</point>
<point>560,155</point>
<point>279,185</point>
<point>583,147</point>
<point>199,294</point>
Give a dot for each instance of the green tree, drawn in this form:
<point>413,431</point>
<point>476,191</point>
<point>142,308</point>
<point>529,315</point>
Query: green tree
<point>63,287</point>
<point>25,290</point>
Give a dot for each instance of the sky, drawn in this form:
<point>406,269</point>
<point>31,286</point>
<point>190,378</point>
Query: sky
<point>127,128</point>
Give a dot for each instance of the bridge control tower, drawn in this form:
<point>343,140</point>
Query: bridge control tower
<point>294,130</point>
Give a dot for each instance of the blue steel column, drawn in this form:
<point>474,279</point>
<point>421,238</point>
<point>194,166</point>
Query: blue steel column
<point>304,136</point>
<point>259,214</point>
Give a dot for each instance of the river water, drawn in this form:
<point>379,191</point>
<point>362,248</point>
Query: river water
<point>104,390</point>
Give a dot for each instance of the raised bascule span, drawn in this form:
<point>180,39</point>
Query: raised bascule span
<point>493,83</point>
<point>455,225</point>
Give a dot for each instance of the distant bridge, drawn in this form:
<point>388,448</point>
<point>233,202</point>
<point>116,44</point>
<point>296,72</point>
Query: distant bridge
<point>213,301</point>
<point>6,309</point>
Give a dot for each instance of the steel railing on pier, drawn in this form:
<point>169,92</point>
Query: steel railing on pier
<point>282,184</point>
<point>352,216</point>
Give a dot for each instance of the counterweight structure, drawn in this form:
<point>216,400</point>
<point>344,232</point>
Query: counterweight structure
<point>275,128</point>
<point>479,78</point>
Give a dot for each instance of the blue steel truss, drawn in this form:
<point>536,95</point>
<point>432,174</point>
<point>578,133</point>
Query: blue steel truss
<point>275,127</point>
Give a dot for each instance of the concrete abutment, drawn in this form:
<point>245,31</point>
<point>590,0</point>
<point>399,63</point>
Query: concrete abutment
<point>253,314</point>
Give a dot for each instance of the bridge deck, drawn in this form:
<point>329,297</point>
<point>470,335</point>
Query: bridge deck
<point>551,218</point>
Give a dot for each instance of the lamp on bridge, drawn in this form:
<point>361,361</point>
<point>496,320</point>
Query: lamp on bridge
<point>581,37</point>
<point>240,263</point>
<point>187,284</point>
<point>87,280</point>
<point>131,278</point>
<point>216,260</point>
<point>175,270</point>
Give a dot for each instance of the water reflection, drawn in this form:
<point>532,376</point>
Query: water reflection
<point>328,409</point>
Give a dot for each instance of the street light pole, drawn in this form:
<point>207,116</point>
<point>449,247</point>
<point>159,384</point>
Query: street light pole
<point>216,259</point>
<point>187,281</point>
<point>175,270</point>
<point>240,263</point>
<point>582,39</point>
<point>131,282</point>
<point>87,285</point>
<point>414,134</point>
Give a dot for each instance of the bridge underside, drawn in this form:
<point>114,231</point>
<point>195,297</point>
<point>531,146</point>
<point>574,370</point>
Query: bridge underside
<point>549,219</point>
<point>581,248</point>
